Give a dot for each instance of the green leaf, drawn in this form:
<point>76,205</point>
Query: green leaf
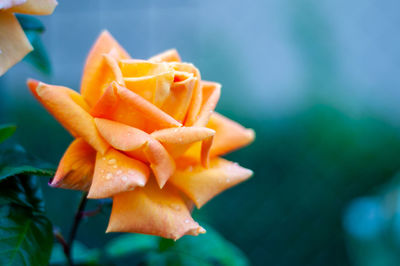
<point>131,243</point>
<point>15,161</point>
<point>24,169</point>
<point>207,249</point>
<point>26,236</point>
<point>81,254</point>
<point>38,57</point>
<point>30,23</point>
<point>6,131</point>
<point>23,191</point>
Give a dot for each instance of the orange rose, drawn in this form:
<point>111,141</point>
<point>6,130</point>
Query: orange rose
<point>147,136</point>
<point>13,43</point>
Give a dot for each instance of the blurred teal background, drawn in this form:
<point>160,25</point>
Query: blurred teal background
<point>317,80</point>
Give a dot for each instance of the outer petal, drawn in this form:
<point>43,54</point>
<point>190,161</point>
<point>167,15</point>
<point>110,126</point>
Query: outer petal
<point>35,7</point>
<point>200,184</point>
<point>115,173</point>
<point>153,211</point>
<point>211,93</point>
<point>178,140</point>
<point>126,138</point>
<point>125,106</point>
<point>75,170</point>
<point>97,74</point>
<point>68,107</point>
<point>13,43</point>
<point>166,56</point>
<point>229,135</point>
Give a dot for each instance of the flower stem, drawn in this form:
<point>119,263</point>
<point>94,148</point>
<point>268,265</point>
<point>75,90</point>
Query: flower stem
<point>59,237</point>
<point>74,229</point>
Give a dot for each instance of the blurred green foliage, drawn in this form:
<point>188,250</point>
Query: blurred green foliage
<point>26,235</point>
<point>33,28</point>
<point>309,162</point>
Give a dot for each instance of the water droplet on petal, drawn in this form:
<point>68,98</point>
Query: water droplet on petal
<point>124,178</point>
<point>109,176</point>
<point>187,221</point>
<point>112,161</point>
<point>131,172</point>
<point>119,172</point>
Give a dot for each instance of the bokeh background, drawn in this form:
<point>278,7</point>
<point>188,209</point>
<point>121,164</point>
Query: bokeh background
<point>317,80</point>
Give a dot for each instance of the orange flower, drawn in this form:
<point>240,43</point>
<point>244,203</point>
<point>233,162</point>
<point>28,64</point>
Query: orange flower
<point>147,136</point>
<point>13,43</point>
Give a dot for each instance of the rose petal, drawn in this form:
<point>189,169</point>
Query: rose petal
<point>200,184</point>
<point>115,173</point>
<point>135,68</point>
<point>13,43</point>
<point>229,135</point>
<point>68,107</point>
<point>178,140</point>
<point>126,138</point>
<point>150,80</point>
<point>75,170</point>
<point>154,88</point>
<point>197,96</point>
<point>6,4</point>
<point>211,93</point>
<point>35,7</point>
<point>181,91</point>
<point>125,106</point>
<point>167,56</point>
<point>97,75</point>
<point>113,64</point>
<point>153,211</point>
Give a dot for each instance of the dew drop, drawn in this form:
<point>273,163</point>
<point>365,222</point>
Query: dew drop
<point>112,161</point>
<point>187,221</point>
<point>109,176</point>
<point>104,158</point>
<point>119,172</point>
<point>124,178</point>
<point>115,166</point>
<point>131,172</point>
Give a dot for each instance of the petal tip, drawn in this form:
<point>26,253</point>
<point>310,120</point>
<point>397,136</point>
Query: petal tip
<point>251,134</point>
